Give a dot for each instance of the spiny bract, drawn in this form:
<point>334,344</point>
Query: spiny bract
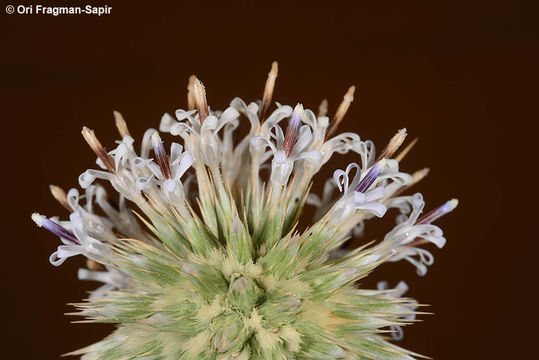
<point>215,266</point>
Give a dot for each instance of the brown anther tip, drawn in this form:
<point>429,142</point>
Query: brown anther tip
<point>323,108</point>
<point>341,111</point>
<point>98,149</point>
<point>274,69</point>
<point>90,137</point>
<point>420,175</point>
<point>406,150</point>
<point>394,144</point>
<point>60,195</point>
<point>200,100</point>
<point>349,96</point>
<point>191,103</point>
<point>191,83</point>
<point>121,125</point>
<point>268,90</point>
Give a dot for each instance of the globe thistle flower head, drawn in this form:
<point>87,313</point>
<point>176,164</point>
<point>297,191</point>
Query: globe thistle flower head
<point>199,246</point>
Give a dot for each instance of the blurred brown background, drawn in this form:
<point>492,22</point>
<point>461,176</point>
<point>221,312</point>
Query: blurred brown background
<point>460,76</point>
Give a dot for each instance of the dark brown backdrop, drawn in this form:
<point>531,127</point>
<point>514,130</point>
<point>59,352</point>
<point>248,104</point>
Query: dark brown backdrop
<point>462,77</point>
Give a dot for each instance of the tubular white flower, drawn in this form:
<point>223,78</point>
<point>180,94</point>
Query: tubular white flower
<point>167,173</point>
<point>391,180</point>
<point>408,230</point>
<point>399,241</point>
<point>98,226</point>
<point>75,238</point>
<point>392,174</point>
<point>124,177</point>
<point>251,113</point>
<point>356,193</point>
<point>201,139</point>
<point>284,154</point>
<point>342,143</point>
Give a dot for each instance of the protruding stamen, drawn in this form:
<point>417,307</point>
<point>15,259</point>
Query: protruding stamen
<point>416,177</point>
<point>341,111</point>
<point>54,228</point>
<point>121,125</point>
<point>200,100</point>
<point>371,176</point>
<point>323,108</point>
<point>191,103</point>
<point>393,145</point>
<point>292,129</point>
<point>98,149</point>
<point>268,90</point>
<point>406,150</point>
<point>419,175</point>
<point>438,212</point>
<point>60,195</point>
<point>160,155</point>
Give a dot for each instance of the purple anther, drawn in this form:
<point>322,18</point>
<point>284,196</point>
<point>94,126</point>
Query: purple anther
<point>438,212</point>
<point>292,129</point>
<point>161,155</point>
<point>54,228</point>
<point>371,176</point>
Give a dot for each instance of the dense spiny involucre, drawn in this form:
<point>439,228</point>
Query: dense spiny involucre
<point>202,256</point>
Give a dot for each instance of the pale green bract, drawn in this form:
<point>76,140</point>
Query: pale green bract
<point>204,257</point>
